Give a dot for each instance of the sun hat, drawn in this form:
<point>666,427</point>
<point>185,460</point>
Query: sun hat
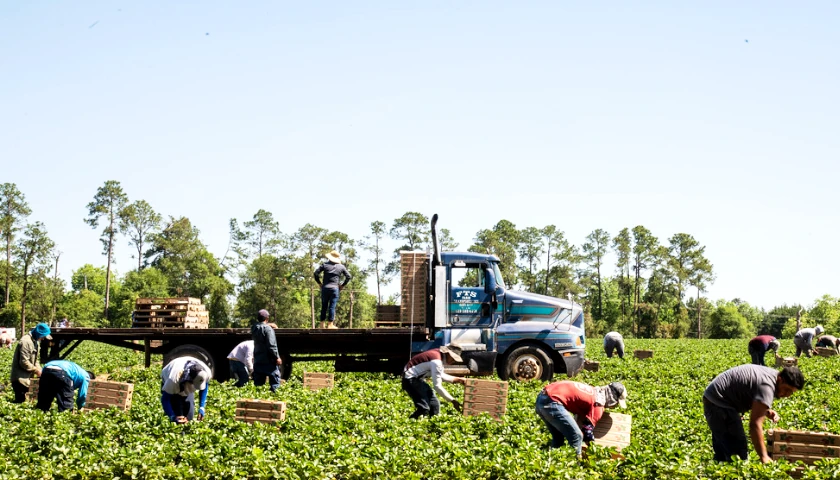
<point>42,330</point>
<point>454,351</point>
<point>334,257</point>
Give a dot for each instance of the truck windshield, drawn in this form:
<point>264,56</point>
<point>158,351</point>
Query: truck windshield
<point>498,274</point>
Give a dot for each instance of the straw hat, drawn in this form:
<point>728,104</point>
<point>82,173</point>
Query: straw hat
<point>334,257</point>
<point>454,351</point>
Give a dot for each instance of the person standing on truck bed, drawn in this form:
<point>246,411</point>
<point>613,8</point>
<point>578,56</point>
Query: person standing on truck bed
<point>267,362</point>
<point>25,360</point>
<point>741,389</point>
<point>241,360</point>
<point>429,364</point>
<point>60,378</point>
<point>180,378</point>
<point>614,341</point>
<point>332,270</point>
<point>803,339</point>
<point>760,345</point>
<point>558,402</point>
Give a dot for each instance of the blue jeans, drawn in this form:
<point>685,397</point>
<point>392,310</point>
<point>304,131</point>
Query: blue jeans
<point>560,423</point>
<point>728,437</point>
<point>425,401</point>
<point>271,371</point>
<point>329,299</point>
<point>238,372</point>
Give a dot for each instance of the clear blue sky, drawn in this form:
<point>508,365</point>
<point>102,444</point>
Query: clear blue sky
<point>718,119</point>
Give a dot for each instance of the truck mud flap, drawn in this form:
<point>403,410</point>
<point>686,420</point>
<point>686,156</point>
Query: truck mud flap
<point>480,363</point>
<point>574,362</point>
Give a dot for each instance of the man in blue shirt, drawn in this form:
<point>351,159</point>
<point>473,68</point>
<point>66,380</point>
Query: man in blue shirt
<point>58,380</point>
<point>332,271</point>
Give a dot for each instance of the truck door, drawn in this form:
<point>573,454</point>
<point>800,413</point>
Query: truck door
<point>471,314</point>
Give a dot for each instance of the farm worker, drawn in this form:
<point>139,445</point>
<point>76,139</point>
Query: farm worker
<point>614,341</point>
<point>180,378</point>
<point>332,270</point>
<point>760,345</point>
<point>559,401</point>
<point>241,360</point>
<point>429,364</point>
<point>58,381</point>
<point>803,339</point>
<point>829,341</point>
<point>741,389</point>
<point>25,360</point>
<point>5,340</point>
<point>267,362</point>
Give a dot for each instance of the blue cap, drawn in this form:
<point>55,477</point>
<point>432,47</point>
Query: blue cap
<point>42,330</point>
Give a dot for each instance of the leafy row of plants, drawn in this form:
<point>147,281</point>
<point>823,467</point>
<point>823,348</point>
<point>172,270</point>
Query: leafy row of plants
<point>360,429</point>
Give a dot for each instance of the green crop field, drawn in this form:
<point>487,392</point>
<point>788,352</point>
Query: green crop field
<point>360,429</point>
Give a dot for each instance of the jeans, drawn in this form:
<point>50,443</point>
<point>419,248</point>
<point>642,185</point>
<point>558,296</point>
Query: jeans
<point>610,345</point>
<point>424,398</point>
<point>272,371</point>
<point>55,384</point>
<point>238,372</point>
<point>329,299</point>
<point>20,391</point>
<point>757,354</point>
<point>183,406</point>
<point>560,423</point>
<point>728,436</point>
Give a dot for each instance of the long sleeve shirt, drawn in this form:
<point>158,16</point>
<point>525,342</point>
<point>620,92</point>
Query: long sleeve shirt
<point>429,365</point>
<point>265,344</point>
<point>244,352</point>
<point>332,273</point>
<point>77,374</point>
<point>25,360</point>
<point>171,377</point>
<point>806,335</point>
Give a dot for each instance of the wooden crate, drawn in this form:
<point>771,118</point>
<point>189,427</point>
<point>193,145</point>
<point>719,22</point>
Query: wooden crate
<point>825,351</point>
<point>485,396</point>
<point>104,394</point>
<point>388,316</point>
<point>414,269</point>
<point>641,354</point>
<point>591,366</point>
<point>263,411</point>
<point>805,446</point>
<point>613,430</point>
<point>182,312</point>
<point>316,381</point>
<point>786,361</point>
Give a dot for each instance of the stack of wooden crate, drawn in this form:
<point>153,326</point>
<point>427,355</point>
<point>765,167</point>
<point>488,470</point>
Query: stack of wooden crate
<point>414,270</point>
<point>805,446</point>
<point>387,316</point>
<point>487,396</point>
<point>263,411</point>
<point>182,312</point>
<point>316,381</point>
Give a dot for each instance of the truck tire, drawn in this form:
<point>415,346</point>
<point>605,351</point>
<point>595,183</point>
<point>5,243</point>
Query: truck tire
<point>527,363</point>
<point>287,366</point>
<point>194,351</point>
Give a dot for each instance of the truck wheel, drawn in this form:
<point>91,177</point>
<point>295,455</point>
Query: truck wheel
<point>287,366</point>
<point>191,351</point>
<point>528,363</point>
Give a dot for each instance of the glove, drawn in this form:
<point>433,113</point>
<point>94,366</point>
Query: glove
<point>588,433</point>
<point>201,413</point>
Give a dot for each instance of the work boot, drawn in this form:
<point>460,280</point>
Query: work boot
<point>332,325</point>
<point>321,325</point>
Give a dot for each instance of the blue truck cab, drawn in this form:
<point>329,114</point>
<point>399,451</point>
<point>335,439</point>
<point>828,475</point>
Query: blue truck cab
<point>523,336</point>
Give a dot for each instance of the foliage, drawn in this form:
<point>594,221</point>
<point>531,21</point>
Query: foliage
<point>13,212</point>
<point>138,220</point>
<point>360,429</point>
<point>727,322</point>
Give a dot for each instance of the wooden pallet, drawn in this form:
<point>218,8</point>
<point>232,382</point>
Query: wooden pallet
<point>169,300</point>
<point>262,411</point>
<point>388,316</point>
<point>591,366</point>
<point>786,361</point>
<point>642,354</point>
<point>316,381</point>
<point>485,396</point>
<point>825,351</point>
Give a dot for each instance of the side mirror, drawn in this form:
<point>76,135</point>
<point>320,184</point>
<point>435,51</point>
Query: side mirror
<point>489,281</point>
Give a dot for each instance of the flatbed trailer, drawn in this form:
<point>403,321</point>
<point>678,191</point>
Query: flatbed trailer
<point>353,350</point>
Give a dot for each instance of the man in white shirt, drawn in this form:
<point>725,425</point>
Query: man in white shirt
<point>241,360</point>
<point>429,364</point>
<point>180,379</point>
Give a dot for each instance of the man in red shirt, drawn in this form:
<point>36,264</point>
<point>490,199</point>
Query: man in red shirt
<point>760,345</point>
<point>558,402</point>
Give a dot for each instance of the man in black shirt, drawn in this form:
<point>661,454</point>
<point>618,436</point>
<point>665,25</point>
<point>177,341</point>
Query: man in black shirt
<point>333,270</point>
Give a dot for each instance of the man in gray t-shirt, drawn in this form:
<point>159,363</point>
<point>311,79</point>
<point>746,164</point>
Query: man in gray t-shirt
<point>804,338</point>
<point>741,389</point>
<point>614,341</point>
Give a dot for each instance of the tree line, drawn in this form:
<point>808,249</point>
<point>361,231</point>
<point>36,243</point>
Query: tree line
<point>653,289</point>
